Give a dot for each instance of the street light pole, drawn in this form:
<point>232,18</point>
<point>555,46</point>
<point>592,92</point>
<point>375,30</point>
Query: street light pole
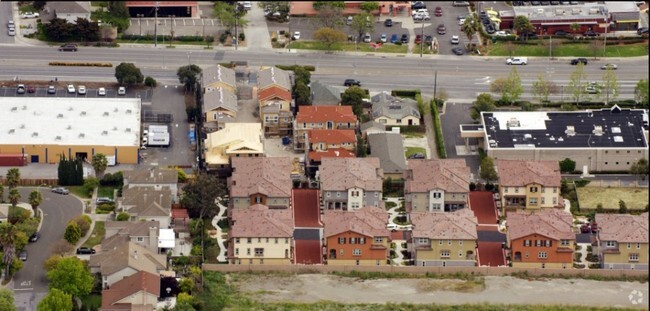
<point>155,25</point>
<point>236,30</point>
<point>171,38</point>
<point>140,22</point>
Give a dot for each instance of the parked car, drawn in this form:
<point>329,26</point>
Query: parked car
<point>517,61</point>
<point>34,237</point>
<point>578,60</point>
<point>247,5</point>
<point>591,33</point>
<point>561,33</point>
<point>585,228</point>
<point>461,22</point>
<point>458,50</point>
<point>460,3</point>
<point>442,29</point>
<point>383,38</point>
<point>31,89</point>
<point>393,227</point>
<point>502,33</point>
<point>103,200</point>
<point>594,227</point>
<point>11,24</point>
<point>609,66</point>
<point>388,23</point>
<point>428,39</point>
<point>121,91</point>
<point>81,90</point>
<point>61,190</point>
<point>455,39</point>
<point>23,255</point>
<point>490,29</point>
<point>101,91</point>
<point>71,89</point>
<point>351,82</point>
<point>20,89</point>
<point>367,38</point>
<point>30,15</point>
<point>418,5</point>
<point>438,11</point>
<point>349,20</point>
<point>11,31</point>
<point>68,47</point>
<point>394,38</point>
<point>421,17</point>
<point>420,11</point>
<point>418,39</point>
<point>642,31</point>
<point>417,155</point>
<point>85,251</point>
<point>405,38</point>
<point>296,35</point>
<point>51,89</point>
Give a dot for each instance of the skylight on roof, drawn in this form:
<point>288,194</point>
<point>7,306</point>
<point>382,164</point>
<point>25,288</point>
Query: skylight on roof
<point>618,139</point>
<point>616,129</point>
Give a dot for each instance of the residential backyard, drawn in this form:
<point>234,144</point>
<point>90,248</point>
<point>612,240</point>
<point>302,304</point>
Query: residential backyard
<point>634,198</point>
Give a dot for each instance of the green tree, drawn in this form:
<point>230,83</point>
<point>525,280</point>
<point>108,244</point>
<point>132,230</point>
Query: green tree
<point>186,285</point>
<point>329,37</point>
<point>302,75</point>
<point>8,239</point>
<point>577,83</point>
<point>59,29</point>
<point>2,193</point>
<point>72,233</point>
<point>599,208</point>
<point>229,15</point>
<point>199,196</point>
<point>14,196</point>
<point>71,276</point>
<point>302,94</point>
<point>123,216</point>
<point>622,207</point>
<point>575,27</point>
<point>39,5</point>
<point>542,88</point>
<point>90,184</point>
<point>567,165</point>
<point>51,262</point>
<point>150,82</point>
<point>128,74</point>
<point>522,25</point>
<point>12,178</point>
<point>35,199</point>
<point>83,222</point>
<point>640,168</point>
<point>610,85</point>
<point>484,102</point>
<point>362,151</point>
<point>353,96</point>
<point>99,163</point>
<point>55,300</point>
<point>118,9</point>
<point>320,5</point>
<point>86,30</point>
<point>369,6</point>
<point>188,75</point>
<point>641,92</point>
<point>596,46</point>
<point>7,300</point>
<point>487,170</point>
<point>361,24</point>
<point>510,87</point>
<point>470,27</point>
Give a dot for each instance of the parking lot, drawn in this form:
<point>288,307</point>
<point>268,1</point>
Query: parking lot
<point>92,88</point>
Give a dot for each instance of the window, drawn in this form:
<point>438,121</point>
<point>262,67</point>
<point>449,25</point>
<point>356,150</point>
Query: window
<point>555,201</point>
<point>249,240</point>
<point>533,189</point>
<point>328,194</point>
<point>638,245</point>
<point>362,240</point>
<point>460,253</point>
<point>376,194</point>
<point>286,240</point>
<point>516,189</point>
<point>629,245</point>
<point>610,243</point>
<point>357,262</point>
<point>543,201</point>
<point>526,242</point>
<point>533,201</point>
<point>140,239</point>
<point>460,242</point>
<point>338,194</point>
<point>437,195</point>
<point>439,242</point>
<point>444,254</point>
<point>634,257</point>
<point>353,241</point>
<point>248,251</point>
<point>341,240</point>
<point>259,240</point>
<point>548,243</point>
<point>341,252</point>
<point>436,207</point>
<point>505,190</point>
<point>378,239</point>
<point>538,243</point>
<point>261,261</point>
<point>236,251</point>
<point>236,240</point>
<point>250,261</point>
<point>258,200</point>
<point>542,255</point>
<point>554,189</point>
<point>526,254</point>
<point>267,240</point>
<point>448,242</point>
<point>276,240</point>
<point>564,242</point>
<point>378,262</point>
<point>423,241</point>
<point>543,189</point>
<point>356,252</point>
<point>259,252</point>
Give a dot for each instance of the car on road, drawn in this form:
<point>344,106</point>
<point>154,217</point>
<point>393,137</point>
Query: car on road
<point>11,24</point>
<point>34,237</point>
<point>81,90</point>
<point>23,255</point>
<point>455,40</point>
<point>388,23</point>
<point>61,190</point>
<point>101,91</point>
<point>121,91</point>
<point>418,39</point>
<point>405,38</point>
<point>20,89</point>
<point>51,89</point>
<point>351,82</point>
<point>296,35</point>
<point>438,11</point>
<point>68,48</point>
<point>609,66</point>
<point>592,88</point>
<point>442,29</point>
<point>461,22</point>
<point>383,38</point>
<point>458,50</point>
<point>11,31</point>
<point>103,200</point>
<point>71,89</point>
<point>367,38</point>
<point>85,251</point>
<point>517,61</point>
<point>579,60</point>
<point>591,33</point>
<point>30,15</point>
<point>394,38</point>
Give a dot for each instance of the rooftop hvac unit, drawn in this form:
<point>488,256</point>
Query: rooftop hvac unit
<point>35,134</point>
<point>11,131</point>
<point>82,135</point>
<point>115,110</point>
<point>105,114</point>
<point>24,107</point>
<point>104,133</point>
<point>593,11</point>
<point>576,11</point>
<point>513,122</point>
<point>528,136</point>
<point>57,138</point>
<point>559,12</point>
<point>14,108</point>
<point>598,130</point>
<point>59,116</point>
<point>128,111</point>
<point>128,130</point>
<point>69,127</point>
<point>22,126</point>
<point>70,108</point>
<point>570,130</point>
<point>83,113</point>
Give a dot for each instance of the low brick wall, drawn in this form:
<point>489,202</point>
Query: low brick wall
<point>486,271</point>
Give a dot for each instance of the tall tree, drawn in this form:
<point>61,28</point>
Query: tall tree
<point>8,240</point>
<point>640,168</point>
<point>35,199</point>
<point>542,88</point>
<point>86,30</point>
<point>484,102</point>
<point>229,15</point>
<point>302,94</point>
<point>7,300</point>
<point>59,29</point>
<point>71,276</point>
<point>329,37</point>
<point>510,88</point>
<point>361,24</point>
<point>523,26</point>
<point>641,92</point>
<point>577,83</point>
<point>470,27</point>
<point>610,85</point>
<point>487,170</point>
<point>567,165</point>
<point>128,73</point>
<point>199,195</point>
<point>99,163</point>
<point>511,48</point>
<point>353,96</point>
<point>188,75</point>
<point>13,178</point>
<point>118,9</point>
<point>55,300</point>
<point>596,47</point>
<point>14,196</point>
<point>575,27</point>
<point>369,6</point>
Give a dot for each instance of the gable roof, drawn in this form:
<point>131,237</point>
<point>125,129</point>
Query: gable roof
<point>219,98</point>
<point>268,176</point>
<point>389,148</point>
<point>623,228</point>
<point>242,138</point>
<point>260,221</point>
<point>118,253</point>
<point>132,228</point>
<point>320,114</point>
<point>273,76</point>
<point>318,156</point>
<point>369,221</point>
<point>372,124</point>
<point>458,225</point>
<point>524,172</point>
<point>552,223</point>
<point>151,176</point>
<point>392,107</point>
<point>60,7</point>
<point>219,74</point>
<point>450,175</point>
<point>147,201</point>
<point>139,282</point>
<point>340,174</point>
<point>274,92</point>
<point>323,94</point>
<point>331,136</point>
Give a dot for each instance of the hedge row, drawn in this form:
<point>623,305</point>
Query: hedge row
<point>81,64</point>
<point>177,38</point>
<point>293,67</point>
<point>440,142</point>
<point>405,93</point>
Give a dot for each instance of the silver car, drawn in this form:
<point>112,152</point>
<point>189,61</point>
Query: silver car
<point>11,31</point>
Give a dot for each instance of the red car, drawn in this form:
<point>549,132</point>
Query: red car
<point>418,39</point>
<point>438,11</point>
<point>31,89</point>
<point>585,228</point>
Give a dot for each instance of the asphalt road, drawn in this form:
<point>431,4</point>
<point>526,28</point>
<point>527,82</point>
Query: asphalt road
<point>30,283</point>
<point>5,16</point>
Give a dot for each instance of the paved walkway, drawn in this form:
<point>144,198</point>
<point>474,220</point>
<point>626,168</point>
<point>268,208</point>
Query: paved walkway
<point>93,216</point>
<point>257,32</point>
<point>215,223</point>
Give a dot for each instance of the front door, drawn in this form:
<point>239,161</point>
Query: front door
<point>34,159</point>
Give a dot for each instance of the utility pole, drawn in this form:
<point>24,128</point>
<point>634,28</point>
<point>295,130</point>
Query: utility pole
<point>236,39</point>
<point>435,86</point>
<point>155,25</point>
<point>422,38</point>
<point>605,43</point>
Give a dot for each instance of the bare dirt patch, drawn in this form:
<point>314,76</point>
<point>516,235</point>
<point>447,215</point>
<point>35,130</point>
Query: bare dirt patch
<point>634,198</point>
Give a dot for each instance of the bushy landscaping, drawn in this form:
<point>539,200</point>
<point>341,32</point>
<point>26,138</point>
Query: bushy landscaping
<point>348,46</point>
<point>437,127</point>
<point>568,49</point>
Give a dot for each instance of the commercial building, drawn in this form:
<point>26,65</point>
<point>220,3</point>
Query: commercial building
<point>44,128</point>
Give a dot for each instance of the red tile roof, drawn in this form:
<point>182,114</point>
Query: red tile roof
<point>274,92</point>
<point>318,156</point>
<point>141,281</point>
<point>179,213</point>
<point>552,223</point>
<point>320,114</point>
<point>332,136</point>
<point>518,173</point>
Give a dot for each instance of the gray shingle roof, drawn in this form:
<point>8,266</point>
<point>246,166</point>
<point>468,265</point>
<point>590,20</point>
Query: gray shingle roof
<point>219,98</point>
<point>389,148</point>
<point>384,104</point>
<point>372,124</point>
<point>69,6</point>
<point>217,74</point>
<point>324,94</point>
<point>273,76</point>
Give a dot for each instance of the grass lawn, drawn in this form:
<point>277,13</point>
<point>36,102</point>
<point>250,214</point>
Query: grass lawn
<point>142,41</point>
<point>97,235</point>
<point>570,50</point>
<point>92,301</point>
<point>413,150</point>
<point>106,191</point>
<point>98,3</point>
<point>634,198</point>
<point>79,191</point>
<point>27,8</point>
<point>363,47</point>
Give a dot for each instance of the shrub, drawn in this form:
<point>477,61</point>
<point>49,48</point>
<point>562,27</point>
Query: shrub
<point>472,186</point>
<point>242,36</point>
<point>105,208</point>
<point>582,182</point>
<point>149,81</point>
<point>80,64</point>
<point>405,93</point>
<point>123,216</point>
<point>72,233</point>
<point>440,143</point>
<point>223,37</point>
<point>83,222</point>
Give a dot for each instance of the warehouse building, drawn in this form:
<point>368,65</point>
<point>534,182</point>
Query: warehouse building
<point>43,128</point>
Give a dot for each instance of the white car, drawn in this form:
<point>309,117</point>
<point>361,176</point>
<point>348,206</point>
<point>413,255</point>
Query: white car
<point>11,31</point>
<point>367,38</point>
<point>81,90</point>
<point>71,89</point>
<point>501,33</point>
<point>296,35</point>
<point>121,90</point>
<point>101,91</point>
<point>30,15</point>
<point>455,40</point>
<point>383,38</point>
<point>420,11</point>
<point>461,22</point>
<point>247,5</point>
<point>11,24</point>
<point>517,61</point>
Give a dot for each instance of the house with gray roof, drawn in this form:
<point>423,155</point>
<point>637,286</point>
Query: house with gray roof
<point>68,10</point>
<point>144,233</point>
<point>219,76</point>
<point>120,258</point>
<point>156,178</point>
<point>219,107</point>
<point>273,77</point>
<point>324,95</point>
<point>145,203</point>
<point>395,111</point>
<point>371,127</point>
<point>389,148</point>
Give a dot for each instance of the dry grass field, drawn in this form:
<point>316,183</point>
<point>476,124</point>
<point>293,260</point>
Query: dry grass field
<point>634,198</point>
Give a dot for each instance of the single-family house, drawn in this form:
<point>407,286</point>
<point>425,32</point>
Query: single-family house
<point>219,77</point>
<point>264,181</point>
<point>372,127</point>
<point>69,10</point>
<point>444,239</point>
<point>260,235</point>
<point>274,97</point>
<point>350,183</point>
<point>235,140</point>
<point>529,185</point>
<point>389,148</point>
<point>139,291</point>
<point>357,238</point>
<point>144,233</point>
<point>436,185</point>
<point>119,258</point>
<point>156,178</point>
<point>219,107</point>
<point>622,241</point>
<point>395,111</point>
<point>324,95</point>
<point>321,117</point>
<point>144,203</point>
<point>541,239</point>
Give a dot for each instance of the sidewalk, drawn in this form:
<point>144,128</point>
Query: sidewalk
<point>93,216</point>
<point>257,31</point>
<point>215,221</point>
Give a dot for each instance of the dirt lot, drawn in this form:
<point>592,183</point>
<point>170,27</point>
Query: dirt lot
<point>309,288</point>
<point>634,198</point>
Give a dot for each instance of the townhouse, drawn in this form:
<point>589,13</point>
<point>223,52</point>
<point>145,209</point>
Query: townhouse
<point>541,239</point>
<point>358,237</point>
<point>145,233</point>
<point>622,241</point>
<point>444,239</point>
<point>234,140</point>
<point>350,183</point>
<point>219,107</point>
<point>219,77</point>
<point>389,148</point>
<point>436,185</point>
<point>321,117</point>
<point>529,185</point>
<point>274,97</point>
<point>260,235</point>
<point>264,181</point>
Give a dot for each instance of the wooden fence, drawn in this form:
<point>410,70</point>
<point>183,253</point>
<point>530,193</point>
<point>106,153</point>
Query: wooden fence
<point>33,182</point>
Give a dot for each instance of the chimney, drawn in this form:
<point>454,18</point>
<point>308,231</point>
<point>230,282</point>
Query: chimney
<point>153,238</point>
